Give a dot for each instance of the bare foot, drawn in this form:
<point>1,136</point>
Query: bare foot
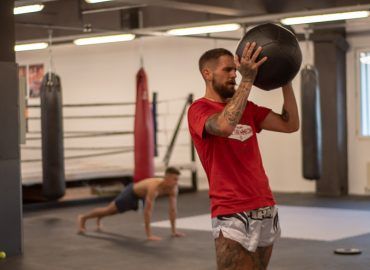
<point>81,224</point>
<point>154,238</point>
<point>178,234</point>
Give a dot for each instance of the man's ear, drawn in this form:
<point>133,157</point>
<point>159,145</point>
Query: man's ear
<point>207,74</point>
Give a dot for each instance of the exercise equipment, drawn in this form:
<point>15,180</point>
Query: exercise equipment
<point>282,49</point>
<point>311,123</point>
<point>347,251</point>
<point>2,255</point>
<point>53,185</point>
<point>143,130</point>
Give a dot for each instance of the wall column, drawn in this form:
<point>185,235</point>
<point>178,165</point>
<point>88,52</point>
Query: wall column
<point>10,181</point>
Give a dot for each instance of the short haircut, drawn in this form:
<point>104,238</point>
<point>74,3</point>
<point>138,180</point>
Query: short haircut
<point>212,55</point>
<point>172,170</point>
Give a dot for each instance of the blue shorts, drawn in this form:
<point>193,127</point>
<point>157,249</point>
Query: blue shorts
<point>127,200</point>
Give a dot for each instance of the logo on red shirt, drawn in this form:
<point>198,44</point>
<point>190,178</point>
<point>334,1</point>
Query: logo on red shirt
<point>242,133</point>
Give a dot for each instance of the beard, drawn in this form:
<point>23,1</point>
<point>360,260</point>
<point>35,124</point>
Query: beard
<point>224,90</point>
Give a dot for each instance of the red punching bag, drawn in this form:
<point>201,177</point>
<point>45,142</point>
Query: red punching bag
<point>143,130</point>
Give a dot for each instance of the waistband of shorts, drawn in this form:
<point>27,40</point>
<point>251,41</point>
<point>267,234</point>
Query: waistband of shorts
<point>255,213</point>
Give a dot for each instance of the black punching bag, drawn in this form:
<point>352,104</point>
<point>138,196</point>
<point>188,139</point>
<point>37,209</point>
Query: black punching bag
<point>53,186</point>
<point>311,123</point>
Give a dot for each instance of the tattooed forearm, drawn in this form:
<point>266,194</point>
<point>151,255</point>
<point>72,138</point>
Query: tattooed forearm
<point>212,126</point>
<point>285,115</point>
<point>222,124</point>
<point>235,107</point>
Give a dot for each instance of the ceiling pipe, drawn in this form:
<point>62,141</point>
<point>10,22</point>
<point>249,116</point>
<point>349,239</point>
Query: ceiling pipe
<point>99,10</point>
<point>66,28</point>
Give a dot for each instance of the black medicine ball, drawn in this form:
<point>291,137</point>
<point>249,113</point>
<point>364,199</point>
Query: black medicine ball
<point>282,50</point>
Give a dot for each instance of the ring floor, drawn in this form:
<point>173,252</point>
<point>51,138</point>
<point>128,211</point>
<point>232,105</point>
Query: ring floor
<point>51,242</point>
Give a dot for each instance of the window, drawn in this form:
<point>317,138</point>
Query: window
<point>365,93</point>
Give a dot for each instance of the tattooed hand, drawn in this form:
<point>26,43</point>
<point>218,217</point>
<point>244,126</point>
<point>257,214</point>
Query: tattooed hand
<point>247,65</point>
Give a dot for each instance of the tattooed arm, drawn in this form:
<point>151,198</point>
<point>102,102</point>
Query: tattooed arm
<point>224,123</point>
<point>288,120</point>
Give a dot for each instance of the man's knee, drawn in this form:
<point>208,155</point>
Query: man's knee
<point>112,208</point>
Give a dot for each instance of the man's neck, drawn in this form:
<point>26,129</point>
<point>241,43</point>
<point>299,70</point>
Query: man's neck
<point>213,96</point>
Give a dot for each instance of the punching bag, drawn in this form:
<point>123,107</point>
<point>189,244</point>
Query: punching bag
<point>311,123</point>
<point>143,130</point>
<point>53,186</point>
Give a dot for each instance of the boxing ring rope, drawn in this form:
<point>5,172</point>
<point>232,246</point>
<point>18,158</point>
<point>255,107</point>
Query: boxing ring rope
<point>79,105</point>
<point>92,152</point>
<point>91,134</point>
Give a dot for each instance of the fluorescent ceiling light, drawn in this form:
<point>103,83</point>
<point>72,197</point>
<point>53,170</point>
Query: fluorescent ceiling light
<point>204,29</point>
<point>30,46</point>
<point>365,59</point>
<point>326,17</point>
<point>104,39</point>
<point>96,1</point>
<point>27,9</point>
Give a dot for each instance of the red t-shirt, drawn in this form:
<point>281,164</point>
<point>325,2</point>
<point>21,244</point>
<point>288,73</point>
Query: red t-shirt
<point>237,179</point>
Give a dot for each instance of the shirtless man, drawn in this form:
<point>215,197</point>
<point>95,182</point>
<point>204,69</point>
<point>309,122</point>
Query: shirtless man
<point>147,189</point>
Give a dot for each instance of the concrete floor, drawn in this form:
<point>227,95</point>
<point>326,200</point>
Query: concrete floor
<point>51,242</point>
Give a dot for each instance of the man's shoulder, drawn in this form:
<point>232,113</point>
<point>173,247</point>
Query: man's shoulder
<point>149,182</point>
<point>154,181</point>
<point>198,102</point>
<point>201,105</point>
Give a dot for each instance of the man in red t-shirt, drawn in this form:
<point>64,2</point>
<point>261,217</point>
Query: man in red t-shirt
<point>223,125</point>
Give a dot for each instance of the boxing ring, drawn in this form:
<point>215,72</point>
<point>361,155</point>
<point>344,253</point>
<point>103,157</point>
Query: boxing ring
<point>99,143</point>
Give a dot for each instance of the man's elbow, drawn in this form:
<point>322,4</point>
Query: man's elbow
<point>222,130</point>
<point>227,131</point>
<point>292,128</point>
<point>219,126</point>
